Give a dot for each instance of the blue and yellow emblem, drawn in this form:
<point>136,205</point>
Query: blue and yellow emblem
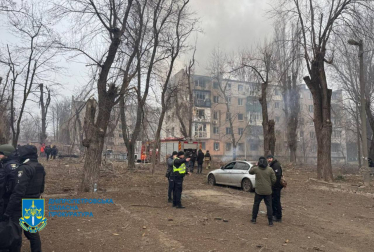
<point>33,219</point>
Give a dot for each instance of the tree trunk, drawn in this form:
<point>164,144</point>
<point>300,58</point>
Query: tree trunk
<point>94,135</point>
<point>92,143</point>
<point>44,108</point>
<point>265,119</point>
<point>271,133</point>
<point>371,151</point>
<point>370,117</point>
<point>322,116</point>
<point>131,155</point>
<point>156,144</point>
<point>293,120</point>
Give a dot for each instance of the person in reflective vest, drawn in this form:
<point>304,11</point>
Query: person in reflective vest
<point>179,171</point>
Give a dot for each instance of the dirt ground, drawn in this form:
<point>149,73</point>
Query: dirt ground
<point>316,217</point>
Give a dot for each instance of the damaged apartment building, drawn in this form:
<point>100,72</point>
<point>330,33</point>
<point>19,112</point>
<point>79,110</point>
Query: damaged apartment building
<point>210,124</point>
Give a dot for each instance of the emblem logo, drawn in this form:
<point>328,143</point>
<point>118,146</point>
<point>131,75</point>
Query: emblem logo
<point>20,173</point>
<point>33,219</point>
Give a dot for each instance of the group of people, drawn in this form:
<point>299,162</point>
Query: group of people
<point>21,176</point>
<point>48,151</point>
<point>269,183</point>
<point>200,158</point>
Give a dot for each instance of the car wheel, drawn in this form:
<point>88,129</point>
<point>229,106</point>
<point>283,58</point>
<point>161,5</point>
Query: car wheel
<point>211,179</point>
<point>247,185</point>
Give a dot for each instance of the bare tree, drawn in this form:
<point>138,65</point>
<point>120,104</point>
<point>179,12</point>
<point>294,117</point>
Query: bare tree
<point>28,62</point>
<point>113,24</point>
<point>163,37</point>
<point>318,22</point>
<point>44,105</point>
<point>262,67</point>
<point>288,63</point>
<point>4,114</point>
<point>184,25</point>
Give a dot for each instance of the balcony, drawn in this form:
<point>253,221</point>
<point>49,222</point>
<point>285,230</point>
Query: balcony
<point>203,103</point>
<point>203,119</point>
<point>201,134</point>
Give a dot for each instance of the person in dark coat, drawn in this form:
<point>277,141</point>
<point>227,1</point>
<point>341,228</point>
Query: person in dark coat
<point>29,185</point>
<point>54,152</point>
<point>169,175</point>
<point>192,161</point>
<point>200,161</point>
<point>8,174</point>
<point>48,151</point>
<point>179,171</point>
<point>277,187</point>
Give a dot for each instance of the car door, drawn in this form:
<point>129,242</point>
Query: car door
<point>238,172</point>
<point>223,177</point>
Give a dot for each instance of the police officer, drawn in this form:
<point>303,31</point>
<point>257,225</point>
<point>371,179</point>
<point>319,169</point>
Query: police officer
<point>8,174</point>
<point>30,184</point>
<point>169,175</point>
<point>179,171</point>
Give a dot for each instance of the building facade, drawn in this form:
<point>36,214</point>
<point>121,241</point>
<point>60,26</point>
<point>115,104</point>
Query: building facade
<point>210,119</point>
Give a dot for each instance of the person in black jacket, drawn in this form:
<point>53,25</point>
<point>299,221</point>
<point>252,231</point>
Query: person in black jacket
<point>48,151</point>
<point>277,187</point>
<point>169,175</point>
<point>179,171</point>
<point>200,161</point>
<point>8,174</point>
<point>54,152</point>
<point>29,185</point>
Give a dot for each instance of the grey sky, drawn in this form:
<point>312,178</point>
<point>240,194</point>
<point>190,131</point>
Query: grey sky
<point>229,24</point>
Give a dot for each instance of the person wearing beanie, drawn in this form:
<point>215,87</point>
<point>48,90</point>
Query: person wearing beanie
<point>169,174</point>
<point>277,187</point>
<point>179,171</point>
<point>8,174</point>
<point>265,178</point>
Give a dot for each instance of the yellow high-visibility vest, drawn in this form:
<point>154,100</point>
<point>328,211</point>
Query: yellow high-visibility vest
<point>181,169</point>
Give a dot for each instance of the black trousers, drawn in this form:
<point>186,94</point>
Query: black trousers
<point>34,238</point>
<point>277,207</point>
<point>171,187</point>
<point>256,205</point>
<point>199,168</point>
<point>191,164</point>
<point>48,156</point>
<point>178,186</point>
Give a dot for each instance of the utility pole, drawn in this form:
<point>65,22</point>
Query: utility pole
<point>365,167</point>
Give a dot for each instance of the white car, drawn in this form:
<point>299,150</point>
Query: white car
<point>236,174</point>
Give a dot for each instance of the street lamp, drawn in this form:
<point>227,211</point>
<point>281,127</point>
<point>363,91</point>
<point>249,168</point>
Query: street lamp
<point>363,108</point>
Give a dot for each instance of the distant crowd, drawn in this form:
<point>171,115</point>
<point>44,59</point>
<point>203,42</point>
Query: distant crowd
<point>48,151</point>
